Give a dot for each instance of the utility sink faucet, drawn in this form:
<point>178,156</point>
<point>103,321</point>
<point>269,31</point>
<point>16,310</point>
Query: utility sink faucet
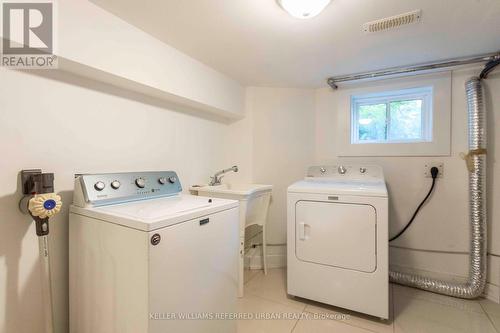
<point>217,178</point>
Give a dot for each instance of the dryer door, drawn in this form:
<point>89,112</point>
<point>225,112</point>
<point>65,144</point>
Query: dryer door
<point>336,234</point>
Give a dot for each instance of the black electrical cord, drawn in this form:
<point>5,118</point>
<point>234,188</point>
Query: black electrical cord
<point>488,68</point>
<point>434,174</point>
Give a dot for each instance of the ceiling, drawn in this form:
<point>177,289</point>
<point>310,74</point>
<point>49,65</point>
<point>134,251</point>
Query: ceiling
<point>257,43</point>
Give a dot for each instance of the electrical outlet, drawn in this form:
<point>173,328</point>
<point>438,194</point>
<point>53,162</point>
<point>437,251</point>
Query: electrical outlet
<point>428,166</point>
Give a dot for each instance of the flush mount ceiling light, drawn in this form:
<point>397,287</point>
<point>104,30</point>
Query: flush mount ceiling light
<point>303,9</point>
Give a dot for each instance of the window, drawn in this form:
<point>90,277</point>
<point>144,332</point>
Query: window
<point>403,116</point>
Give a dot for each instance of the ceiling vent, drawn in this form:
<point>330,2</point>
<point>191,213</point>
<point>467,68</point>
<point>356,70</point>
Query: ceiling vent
<point>393,22</point>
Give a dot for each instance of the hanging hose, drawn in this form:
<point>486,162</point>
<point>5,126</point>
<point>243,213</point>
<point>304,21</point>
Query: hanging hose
<point>474,286</point>
<point>41,204</point>
<point>41,208</point>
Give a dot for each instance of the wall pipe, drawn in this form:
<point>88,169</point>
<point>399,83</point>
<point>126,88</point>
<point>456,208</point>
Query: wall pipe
<point>489,57</point>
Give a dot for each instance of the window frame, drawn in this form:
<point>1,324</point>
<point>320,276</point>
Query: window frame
<point>424,93</point>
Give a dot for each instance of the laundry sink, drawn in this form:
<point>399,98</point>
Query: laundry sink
<point>254,204</point>
<point>231,191</point>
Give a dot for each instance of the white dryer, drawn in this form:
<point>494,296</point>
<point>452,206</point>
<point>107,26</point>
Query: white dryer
<point>337,238</point>
<point>145,258</point>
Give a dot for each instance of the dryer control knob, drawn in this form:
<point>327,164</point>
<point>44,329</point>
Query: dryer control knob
<point>342,169</point>
<point>140,182</point>
<point>172,179</point>
<point>115,184</point>
<point>162,180</point>
<point>322,170</point>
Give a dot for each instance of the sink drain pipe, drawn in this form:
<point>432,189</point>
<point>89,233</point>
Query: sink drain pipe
<point>476,164</point>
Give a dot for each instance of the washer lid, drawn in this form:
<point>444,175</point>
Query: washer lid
<point>157,213</point>
<point>358,188</point>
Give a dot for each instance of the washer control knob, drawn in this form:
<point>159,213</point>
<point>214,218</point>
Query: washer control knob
<point>115,184</point>
<point>172,179</point>
<point>322,170</point>
<point>362,170</point>
<point>162,180</point>
<point>99,186</point>
<point>342,169</point>
<point>140,182</point>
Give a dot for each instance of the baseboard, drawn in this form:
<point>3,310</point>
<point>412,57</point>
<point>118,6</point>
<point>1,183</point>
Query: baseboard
<point>492,293</point>
<point>276,257</point>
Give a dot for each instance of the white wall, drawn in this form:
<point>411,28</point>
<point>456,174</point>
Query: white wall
<point>438,241</point>
<point>238,149</point>
<point>282,127</point>
<point>67,125</point>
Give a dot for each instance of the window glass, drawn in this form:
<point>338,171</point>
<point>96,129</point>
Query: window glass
<point>395,116</point>
<point>406,120</point>
<point>372,121</point>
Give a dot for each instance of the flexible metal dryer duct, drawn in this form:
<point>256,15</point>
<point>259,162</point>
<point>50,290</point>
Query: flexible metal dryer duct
<point>476,162</point>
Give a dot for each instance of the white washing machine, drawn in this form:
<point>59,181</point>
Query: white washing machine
<point>146,259</point>
<point>337,248</point>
